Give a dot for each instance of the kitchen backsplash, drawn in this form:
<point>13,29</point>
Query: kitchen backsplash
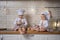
<point>33,9</point>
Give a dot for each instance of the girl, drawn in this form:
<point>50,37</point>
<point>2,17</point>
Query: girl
<point>43,23</point>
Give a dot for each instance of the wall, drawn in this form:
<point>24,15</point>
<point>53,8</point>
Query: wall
<point>8,11</point>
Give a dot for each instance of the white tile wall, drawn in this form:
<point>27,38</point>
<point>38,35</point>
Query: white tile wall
<point>8,11</point>
<point>30,37</point>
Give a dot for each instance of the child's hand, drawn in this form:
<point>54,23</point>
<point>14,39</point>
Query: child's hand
<point>29,28</point>
<point>42,29</point>
<point>32,29</point>
<point>37,29</point>
<point>22,30</point>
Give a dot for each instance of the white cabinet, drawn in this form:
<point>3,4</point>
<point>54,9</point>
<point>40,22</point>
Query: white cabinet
<point>45,37</point>
<point>39,37</point>
<point>33,37</point>
<point>53,37</point>
<point>24,37</point>
<point>10,37</point>
<point>1,37</point>
<point>15,37</point>
<point>30,37</point>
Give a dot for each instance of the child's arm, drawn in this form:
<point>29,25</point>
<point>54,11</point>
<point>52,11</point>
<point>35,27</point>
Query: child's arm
<point>46,24</point>
<point>25,22</point>
<point>40,23</point>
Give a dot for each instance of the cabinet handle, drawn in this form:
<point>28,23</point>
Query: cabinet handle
<point>2,38</point>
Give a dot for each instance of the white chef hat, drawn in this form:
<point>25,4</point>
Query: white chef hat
<point>45,12</point>
<point>20,11</point>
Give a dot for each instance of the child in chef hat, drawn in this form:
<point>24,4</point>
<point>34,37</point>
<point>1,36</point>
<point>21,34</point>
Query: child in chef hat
<point>43,24</point>
<point>20,22</point>
<point>48,14</point>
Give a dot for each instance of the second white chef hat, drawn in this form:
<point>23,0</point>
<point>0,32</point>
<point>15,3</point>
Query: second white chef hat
<point>47,14</point>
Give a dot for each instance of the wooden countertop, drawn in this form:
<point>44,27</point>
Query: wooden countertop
<point>35,32</point>
<point>28,32</point>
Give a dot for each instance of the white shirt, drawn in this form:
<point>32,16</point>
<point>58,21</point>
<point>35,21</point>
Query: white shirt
<point>23,21</point>
<point>45,23</point>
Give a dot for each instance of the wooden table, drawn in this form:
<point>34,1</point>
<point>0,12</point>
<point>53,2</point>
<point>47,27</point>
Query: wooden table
<point>35,32</point>
<point>28,32</point>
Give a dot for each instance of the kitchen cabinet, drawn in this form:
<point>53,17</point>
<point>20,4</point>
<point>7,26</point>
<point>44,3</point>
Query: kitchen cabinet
<point>30,37</point>
<point>0,37</point>
<point>10,37</point>
<point>39,37</point>
<point>14,37</point>
<point>53,37</point>
<point>46,37</point>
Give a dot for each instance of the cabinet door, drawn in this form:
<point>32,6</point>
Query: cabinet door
<point>10,37</point>
<point>1,37</point>
<point>40,37</point>
<point>53,37</point>
<point>13,37</point>
<point>33,37</point>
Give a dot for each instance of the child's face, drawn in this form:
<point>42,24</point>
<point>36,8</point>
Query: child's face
<point>43,17</point>
<point>20,16</point>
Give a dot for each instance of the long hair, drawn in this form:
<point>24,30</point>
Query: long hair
<point>50,14</point>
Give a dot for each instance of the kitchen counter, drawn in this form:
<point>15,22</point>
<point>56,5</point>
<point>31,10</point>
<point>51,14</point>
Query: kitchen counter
<point>28,32</point>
